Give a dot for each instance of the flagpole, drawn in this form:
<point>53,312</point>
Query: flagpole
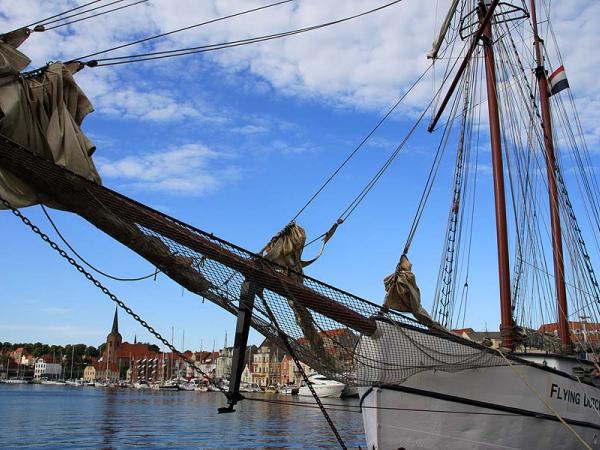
<point>557,248</point>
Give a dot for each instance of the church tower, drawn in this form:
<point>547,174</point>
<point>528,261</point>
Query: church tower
<point>113,341</point>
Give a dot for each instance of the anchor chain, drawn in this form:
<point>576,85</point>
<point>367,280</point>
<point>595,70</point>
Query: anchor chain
<point>286,342</point>
<point>107,292</point>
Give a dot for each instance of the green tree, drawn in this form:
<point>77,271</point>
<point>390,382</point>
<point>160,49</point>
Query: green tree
<point>92,352</point>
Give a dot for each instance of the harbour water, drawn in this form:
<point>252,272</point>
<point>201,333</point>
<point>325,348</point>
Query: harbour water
<point>65,417</point>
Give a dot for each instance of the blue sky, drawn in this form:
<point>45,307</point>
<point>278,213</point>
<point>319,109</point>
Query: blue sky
<point>234,143</point>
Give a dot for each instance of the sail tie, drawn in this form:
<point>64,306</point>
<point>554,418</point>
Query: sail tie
<point>286,247</point>
<point>403,294</point>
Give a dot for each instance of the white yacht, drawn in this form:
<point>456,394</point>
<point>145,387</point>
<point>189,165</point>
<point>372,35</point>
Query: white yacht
<point>323,387</point>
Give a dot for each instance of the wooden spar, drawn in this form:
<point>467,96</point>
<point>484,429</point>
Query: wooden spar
<point>557,247</point>
<point>478,35</point>
<point>506,326</point>
<point>91,201</point>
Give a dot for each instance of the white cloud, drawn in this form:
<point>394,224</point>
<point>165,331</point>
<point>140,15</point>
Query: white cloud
<point>364,63</point>
<point>188,170</point>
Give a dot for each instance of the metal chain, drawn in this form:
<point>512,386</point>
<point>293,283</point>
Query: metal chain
<point>286,342</point>
<point>108,293</point>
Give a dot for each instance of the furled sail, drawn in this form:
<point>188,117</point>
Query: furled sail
<point>285,249</point>
<point>42,112</point>
<point>403,294</point>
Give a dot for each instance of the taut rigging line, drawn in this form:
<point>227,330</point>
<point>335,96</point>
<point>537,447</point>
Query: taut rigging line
<point>211,47</point>
<point>189,27</point>
<point>41,25</point>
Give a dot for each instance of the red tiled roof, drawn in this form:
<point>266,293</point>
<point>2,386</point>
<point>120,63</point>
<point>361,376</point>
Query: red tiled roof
<point>552,327</point>
<point>135,351</point>
<point>463,330</point>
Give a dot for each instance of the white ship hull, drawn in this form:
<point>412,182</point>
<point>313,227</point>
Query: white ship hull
<point>481,408</point>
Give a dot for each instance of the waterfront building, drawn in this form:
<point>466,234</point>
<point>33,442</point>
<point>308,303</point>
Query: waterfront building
<point>223,366</point>
<point>208,363</point>
<point>113,341</point>
<point>107,372</point>
<point>21,356</point>
<point>492,339</point>
<point>204,361</point>
<point>89,373</point>
<point>247,374</point>
<point>583,331</point>
<point>138,359</point>
<point>144,370</point>
<point>287,369</point>
<point>43,369</point>
<point>267,364</point>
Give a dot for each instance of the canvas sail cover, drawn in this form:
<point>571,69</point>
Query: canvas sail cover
<point>43,113</point>
<point>402,292</point>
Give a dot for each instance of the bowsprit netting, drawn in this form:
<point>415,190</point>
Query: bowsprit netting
<point>336,333</point>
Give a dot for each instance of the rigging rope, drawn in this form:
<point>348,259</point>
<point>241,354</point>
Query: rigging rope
<point>543,400</point>
<point>107,292</point>
<point>298,364</point>
<point>95,269</point>
<point>60,14</point>
<point>49,22</point>
<point>435,165</point>
<point>90,17</point>
<point>365,139</point>
<point>211,47</point>
<point>168,33</point>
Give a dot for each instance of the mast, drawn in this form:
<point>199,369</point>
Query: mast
<point>557,248</point>
<point>72,356</point>
<point>506,326</point>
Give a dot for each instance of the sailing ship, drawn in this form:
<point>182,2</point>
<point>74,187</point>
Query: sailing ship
<point>421,386</point>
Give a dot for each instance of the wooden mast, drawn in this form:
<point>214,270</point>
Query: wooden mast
<point>557,248</point>
<point>506,326</point>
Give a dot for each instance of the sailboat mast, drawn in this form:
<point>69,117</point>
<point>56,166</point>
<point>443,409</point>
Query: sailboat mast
<point>557,248</point>
<point>506,326</point>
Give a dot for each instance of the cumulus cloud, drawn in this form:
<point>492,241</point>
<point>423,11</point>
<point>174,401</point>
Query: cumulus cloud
<point>363,64</point>
<point>187,170</point>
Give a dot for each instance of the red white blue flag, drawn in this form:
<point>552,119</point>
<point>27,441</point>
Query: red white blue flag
<point>558,81</point>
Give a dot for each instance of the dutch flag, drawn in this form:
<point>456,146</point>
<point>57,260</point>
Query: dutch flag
<point>558,81</point>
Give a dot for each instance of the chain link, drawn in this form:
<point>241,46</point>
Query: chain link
<point>292,353</point>
<point>108,293</point>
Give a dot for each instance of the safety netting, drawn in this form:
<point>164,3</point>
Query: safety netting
<point>335,333</point>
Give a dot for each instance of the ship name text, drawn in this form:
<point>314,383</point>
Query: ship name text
<point>574,397</point>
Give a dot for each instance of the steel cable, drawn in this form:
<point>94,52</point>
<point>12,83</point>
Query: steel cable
<point>211,47</point>
<point>168,33</point>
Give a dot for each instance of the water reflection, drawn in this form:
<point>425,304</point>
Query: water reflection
<point>80,417</point>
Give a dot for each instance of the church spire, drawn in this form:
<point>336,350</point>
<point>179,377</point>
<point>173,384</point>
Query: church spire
<point>115,327</point>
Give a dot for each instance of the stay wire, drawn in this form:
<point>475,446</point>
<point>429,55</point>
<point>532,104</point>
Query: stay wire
<point>61,14</point>
<point>93,15</point>
<point>82,259</point>
<point>211,47</point>
<point>168,33</point>
<point>361,196</point>
<point>365,139</point>
<point>49,22</point>
<point>433,170</point>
